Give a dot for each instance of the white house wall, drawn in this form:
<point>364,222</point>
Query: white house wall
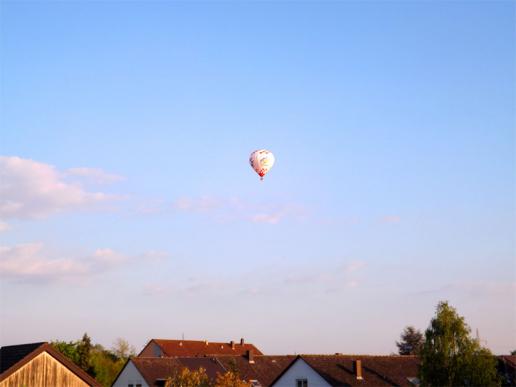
<point>301,370</point>
<point>130,375</point>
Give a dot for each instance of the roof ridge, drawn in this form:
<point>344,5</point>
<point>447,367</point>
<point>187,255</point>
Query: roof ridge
<point>354,355</point>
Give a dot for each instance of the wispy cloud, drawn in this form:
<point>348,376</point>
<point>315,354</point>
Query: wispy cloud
<point>201,204</point>
<point>299,279</point>
<point>30,189</point>
<point>236,209</point>
<point>476,288</point>
<point>95,175</point>
<point>4,226</point>
<point>390,219</point>
<point>32,262</point>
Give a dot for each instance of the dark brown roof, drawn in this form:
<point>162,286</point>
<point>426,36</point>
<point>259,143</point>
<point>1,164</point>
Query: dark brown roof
<point>264,368</point>
<point>338,370</point>
<point>21,355</point>
<point>192,348</point>
<point>160,368</point>
<point>507,369</point>
<point>12,354</point>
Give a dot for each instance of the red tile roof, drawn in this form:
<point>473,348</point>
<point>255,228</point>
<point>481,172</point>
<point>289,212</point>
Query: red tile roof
<point>193,348</point>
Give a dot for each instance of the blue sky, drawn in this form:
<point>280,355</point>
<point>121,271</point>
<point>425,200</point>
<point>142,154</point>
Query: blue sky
<point>128,208</point>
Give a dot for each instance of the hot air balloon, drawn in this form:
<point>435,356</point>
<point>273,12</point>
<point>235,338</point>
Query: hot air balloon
<point>261,161</point>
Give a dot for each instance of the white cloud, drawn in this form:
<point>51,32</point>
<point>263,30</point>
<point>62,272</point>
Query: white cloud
<point>31,262</point>
<point>95,175</point>
<point>4,226</point>
<point>31,189</point>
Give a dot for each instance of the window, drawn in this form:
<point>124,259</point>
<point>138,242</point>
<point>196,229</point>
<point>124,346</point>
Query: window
<point>301,383</point>
<point>130,385</point>
<point>138,385</point>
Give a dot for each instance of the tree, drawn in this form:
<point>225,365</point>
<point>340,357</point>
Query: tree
<point>230,379</point>
<point>411,341</point>
<point>83,350</point>
<point>104,365</point>
<point>513,352</point>
<point>69,349</point>
<point>450,357</point>
<point>185,378</point>
<point>122,349</point>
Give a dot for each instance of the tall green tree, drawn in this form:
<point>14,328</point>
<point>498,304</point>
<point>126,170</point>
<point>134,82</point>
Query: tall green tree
<point>411,341</point>
<point>83,350</point>
<point>450,357</point>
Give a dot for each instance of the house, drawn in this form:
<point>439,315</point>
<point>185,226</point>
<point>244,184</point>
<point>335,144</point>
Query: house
<point>349,370</point>
<point>154,371</point>
<point>195,348</point>
<point>39,364</point>
<point>260,370</point>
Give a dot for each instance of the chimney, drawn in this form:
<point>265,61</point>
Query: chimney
<point>242,341</point>
<point>250,356</point>
<point>357,369</point>
<point>180,343</point>
<point>232,343</point>
<point>206,342</point>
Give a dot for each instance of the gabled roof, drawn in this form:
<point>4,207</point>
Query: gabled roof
<point>263,368</point>
<point>338,370</point>
<point>13,357</point>
<point>12,354</point>
<point>160,368</point>
<point>192,348</point>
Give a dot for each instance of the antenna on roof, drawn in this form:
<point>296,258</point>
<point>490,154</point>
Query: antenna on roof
<point>183,336</point>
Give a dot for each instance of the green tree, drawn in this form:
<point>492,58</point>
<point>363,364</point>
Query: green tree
<point>83,350</point>
<point>69,349</point>
<point>450,357</point>
<point>513,352</point>
<point>104,365</point>
<point>411,341</point>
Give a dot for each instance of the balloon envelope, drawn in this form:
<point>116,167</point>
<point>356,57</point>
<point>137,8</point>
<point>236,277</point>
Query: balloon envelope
<point>261,161</point>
